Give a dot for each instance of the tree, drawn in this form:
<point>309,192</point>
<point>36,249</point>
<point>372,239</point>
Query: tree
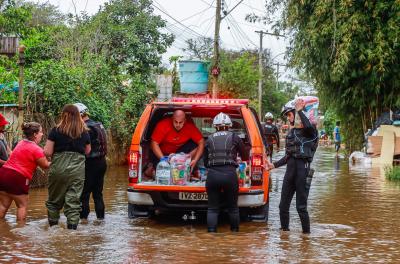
<point>176,85</point>
<point>105,61</point>
<point>350,49</point>
<point>127,33</point>
<point>13,19</point>
<point>200,48</point>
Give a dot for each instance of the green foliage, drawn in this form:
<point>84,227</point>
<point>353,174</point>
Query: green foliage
<point>238,76</point>
<point>105,61</point>
<point>350,49</point>
<point>392,173</point>
<point>176,84</point>
<point>8,78</point>
<point>13,19</point>
<point>275,97</point>
<point>127,33</point>
<point>329,122</point>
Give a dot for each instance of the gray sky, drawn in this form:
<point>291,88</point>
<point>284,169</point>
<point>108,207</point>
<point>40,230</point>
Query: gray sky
<point>192,18</point>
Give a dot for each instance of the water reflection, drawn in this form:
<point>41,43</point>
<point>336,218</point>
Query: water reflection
<point>353,219</point>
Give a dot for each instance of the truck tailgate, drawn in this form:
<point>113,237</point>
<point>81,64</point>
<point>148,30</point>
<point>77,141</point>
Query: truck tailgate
<point>182,188</point>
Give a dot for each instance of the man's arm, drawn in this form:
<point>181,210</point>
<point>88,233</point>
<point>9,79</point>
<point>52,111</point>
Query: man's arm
<point>155,147</point>
<point>309,129</point>
<point>281,162</point>
<point>198,153</point>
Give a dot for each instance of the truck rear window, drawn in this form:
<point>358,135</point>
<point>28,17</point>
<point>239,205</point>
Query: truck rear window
<point>205,125</point>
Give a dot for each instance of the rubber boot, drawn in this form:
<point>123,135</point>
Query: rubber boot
<point>52,222</point>
<point>235,229</point>
<point>72,226</point>
<point>212,230</point>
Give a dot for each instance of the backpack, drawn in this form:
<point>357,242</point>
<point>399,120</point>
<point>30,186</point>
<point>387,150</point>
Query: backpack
<point>98,141</point>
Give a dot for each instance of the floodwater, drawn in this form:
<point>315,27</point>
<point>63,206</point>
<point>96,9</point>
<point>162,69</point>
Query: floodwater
<point>354,214</point>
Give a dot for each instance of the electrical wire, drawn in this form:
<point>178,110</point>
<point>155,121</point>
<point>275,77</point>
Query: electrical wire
<point>236,32</point>
<point>178,22</point>
<point>201,12</point>
<point>210,5</point>
<point>241,32</point>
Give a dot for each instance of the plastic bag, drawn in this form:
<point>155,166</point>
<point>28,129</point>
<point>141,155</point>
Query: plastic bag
<point>180,168</point>
<point>310,110</point>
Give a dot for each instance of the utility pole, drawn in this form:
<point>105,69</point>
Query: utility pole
<point>21,63</point>
<point>215,68</point>
<point>260,69</point>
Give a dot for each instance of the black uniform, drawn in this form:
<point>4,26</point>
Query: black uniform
<point>95,168</point>
<point>220,155</point>
<point>301,144</point>
<point>271,134</point>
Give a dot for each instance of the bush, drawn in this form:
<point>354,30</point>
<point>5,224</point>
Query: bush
<point>392,173</point>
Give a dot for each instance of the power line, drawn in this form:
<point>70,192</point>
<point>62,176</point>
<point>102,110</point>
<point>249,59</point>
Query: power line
<point>240,32</point>
<point>210,5</point>
<point>235,31</point>
<point>178,22</point>
<point>209,24</point>
<point>253,8</point>
<point>201,12</point>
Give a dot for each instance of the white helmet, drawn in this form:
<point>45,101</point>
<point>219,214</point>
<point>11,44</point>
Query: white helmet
<point>82,108</point>
<point>269,115</point>
<point>222,119</point>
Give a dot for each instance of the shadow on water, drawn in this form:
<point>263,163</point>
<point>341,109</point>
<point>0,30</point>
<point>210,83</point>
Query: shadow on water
<point>353,211</point>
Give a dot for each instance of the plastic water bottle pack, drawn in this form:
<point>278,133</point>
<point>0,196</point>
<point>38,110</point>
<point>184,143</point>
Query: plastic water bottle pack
<point>163,172</point>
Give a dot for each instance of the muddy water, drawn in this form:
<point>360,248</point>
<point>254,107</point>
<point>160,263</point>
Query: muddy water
<point>354,211</point>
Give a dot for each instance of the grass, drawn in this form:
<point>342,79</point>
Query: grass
<point>392,173</point>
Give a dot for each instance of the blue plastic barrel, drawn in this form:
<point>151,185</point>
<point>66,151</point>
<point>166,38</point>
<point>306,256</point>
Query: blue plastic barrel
<point>193,76</point>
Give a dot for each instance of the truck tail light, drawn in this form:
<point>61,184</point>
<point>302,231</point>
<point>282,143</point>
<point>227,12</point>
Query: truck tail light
<point>257,170</point>
<point>134,158</point>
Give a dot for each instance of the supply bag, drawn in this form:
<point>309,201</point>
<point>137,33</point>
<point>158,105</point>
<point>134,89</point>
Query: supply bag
<point>310,110</point>
<point>180,168</point>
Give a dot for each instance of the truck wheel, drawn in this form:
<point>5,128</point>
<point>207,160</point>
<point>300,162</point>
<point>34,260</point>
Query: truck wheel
<point>259,214</point>
<point>135,211</point>
<point>131,209</point>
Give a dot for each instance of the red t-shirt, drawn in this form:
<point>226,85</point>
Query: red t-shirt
<point>23,158</point>
<point>171,140</point>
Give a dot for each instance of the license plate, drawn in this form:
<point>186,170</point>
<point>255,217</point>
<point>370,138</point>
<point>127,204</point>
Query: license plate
<point>193,196</point>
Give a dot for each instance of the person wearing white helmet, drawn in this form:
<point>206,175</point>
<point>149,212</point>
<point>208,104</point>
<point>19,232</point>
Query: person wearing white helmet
<point>220,154</point>
<point>301,144</point>
<point>95,166</point>
<point>271,134</point>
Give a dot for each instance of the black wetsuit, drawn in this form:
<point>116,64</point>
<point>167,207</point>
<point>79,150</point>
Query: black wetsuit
<point>301,144</point>
<point>220,154</point>
<point>95,169</point>
<point>271,134</point>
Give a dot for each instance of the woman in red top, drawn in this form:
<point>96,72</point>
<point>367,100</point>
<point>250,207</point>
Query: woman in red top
<point>17,172</point>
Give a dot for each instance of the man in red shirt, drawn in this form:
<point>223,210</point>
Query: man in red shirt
<point>175,134</point>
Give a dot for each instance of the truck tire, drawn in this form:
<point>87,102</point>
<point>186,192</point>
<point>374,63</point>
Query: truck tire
<point>135,211</point>
<point>131,209</point>
<point>255,214</point>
